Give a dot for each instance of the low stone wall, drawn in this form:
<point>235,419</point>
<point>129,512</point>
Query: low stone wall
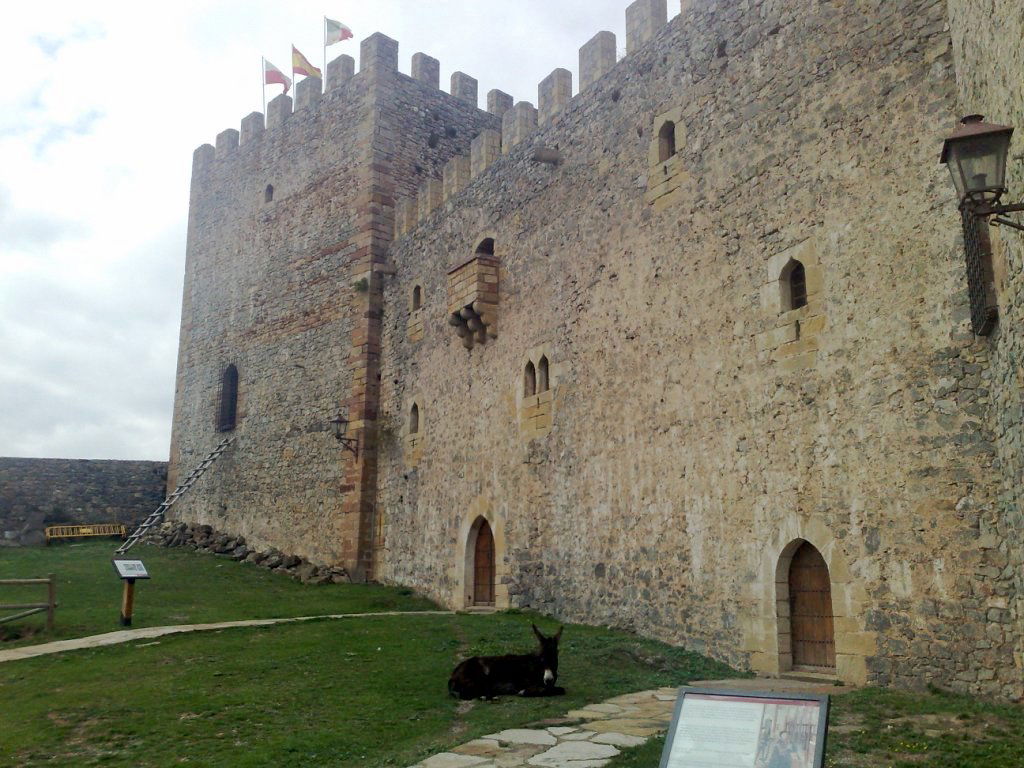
<point>203,538</point>
<point>35,493</point>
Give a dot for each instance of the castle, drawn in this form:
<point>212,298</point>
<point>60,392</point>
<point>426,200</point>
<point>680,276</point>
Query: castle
<point>688,351</point>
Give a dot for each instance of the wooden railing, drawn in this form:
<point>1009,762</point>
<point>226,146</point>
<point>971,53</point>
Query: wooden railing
<point>27,609</point>
<point>74,531</point>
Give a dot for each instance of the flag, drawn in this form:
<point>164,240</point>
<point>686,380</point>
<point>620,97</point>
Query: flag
<point>335,31</point>
<point>301,65</point>
<point>272,74</point>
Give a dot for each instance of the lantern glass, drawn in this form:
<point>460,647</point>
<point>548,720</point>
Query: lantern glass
<point>976,157</point>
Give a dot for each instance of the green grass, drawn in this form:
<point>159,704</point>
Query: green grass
<point>186,588</point>
<point>882,728</point>
<point>357,692</point>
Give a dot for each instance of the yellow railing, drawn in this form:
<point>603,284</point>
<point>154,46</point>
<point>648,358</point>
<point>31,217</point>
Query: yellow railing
<point>74,531</point>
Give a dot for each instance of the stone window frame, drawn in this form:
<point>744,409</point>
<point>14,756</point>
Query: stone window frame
<point>414,431</point>
<point>666,171</point>
<point>536,411</point>
<point>790,298</point>
<point>227,403</point>
<point>415,324</point>
<point>792,337</point>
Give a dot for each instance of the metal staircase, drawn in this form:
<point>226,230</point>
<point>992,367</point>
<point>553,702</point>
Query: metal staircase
<point>158,514</point>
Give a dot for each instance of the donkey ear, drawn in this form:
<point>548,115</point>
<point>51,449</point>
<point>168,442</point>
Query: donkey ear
<point>537,632</point>
<point>558,634</point>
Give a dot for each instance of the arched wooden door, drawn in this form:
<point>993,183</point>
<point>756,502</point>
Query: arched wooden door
<point>810,610</point>
<point>483,566</point>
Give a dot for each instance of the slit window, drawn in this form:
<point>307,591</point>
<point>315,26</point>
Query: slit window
<point>414,419</point>
<point>666,141</point>
<point>542,375</point>
<point>228,415</point>
<point>417,298</point>
<point>794,286</point>
<point>529,380</point>
<point>268,193</point>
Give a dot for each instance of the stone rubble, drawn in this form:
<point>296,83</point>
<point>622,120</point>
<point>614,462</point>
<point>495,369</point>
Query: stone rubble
<point>203,538</point>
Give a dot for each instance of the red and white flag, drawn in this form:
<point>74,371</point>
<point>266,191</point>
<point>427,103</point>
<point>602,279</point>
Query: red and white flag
<point>301,65</point>
<point>272,74</point>
<point>335,32</point>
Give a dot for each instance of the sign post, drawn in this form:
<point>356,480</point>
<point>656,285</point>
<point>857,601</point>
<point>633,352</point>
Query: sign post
<point>743,729</point>
<point>129,571</point>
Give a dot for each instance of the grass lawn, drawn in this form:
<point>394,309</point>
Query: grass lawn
<point>357,692</point>
<point>880,728</point>
<point>185,588</point>
<point>362,692</point>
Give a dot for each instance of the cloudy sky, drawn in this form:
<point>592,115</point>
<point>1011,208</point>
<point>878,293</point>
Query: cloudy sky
<point>102,105</point>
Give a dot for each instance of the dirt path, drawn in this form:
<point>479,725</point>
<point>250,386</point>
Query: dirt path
<point>145,633</point>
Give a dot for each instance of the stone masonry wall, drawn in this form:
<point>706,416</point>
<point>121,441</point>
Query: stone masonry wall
<point>692,444</point>
<point>35,493</point>
<point>989,56</point>
<point>288,290</point>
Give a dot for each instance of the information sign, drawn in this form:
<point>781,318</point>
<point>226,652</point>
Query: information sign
<point>740,729</point>
<point>130,569</point>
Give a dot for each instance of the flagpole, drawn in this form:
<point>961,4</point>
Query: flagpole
<point>263,79</point>
<point>323,33</point>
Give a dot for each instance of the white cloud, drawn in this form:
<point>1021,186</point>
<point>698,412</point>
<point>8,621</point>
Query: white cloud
<point>96,139</point>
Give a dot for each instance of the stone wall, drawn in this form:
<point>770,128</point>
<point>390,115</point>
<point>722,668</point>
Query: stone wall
<point>35,493</point>
<point>288,290</point>
<point>694,438</point>
<point>989,58</point>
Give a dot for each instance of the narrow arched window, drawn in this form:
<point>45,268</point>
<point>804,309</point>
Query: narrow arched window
<point>268,193</point>
<point>666,141</point>
<point>414,419</point>
<point>228,400</point>
<point>529,381</point>
<point>486,247</point>
<point>542,375</point>
<point>417,298</point>
<point>794,286</point>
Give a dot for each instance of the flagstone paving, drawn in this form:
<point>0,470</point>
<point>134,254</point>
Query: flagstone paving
<point>603,729</point>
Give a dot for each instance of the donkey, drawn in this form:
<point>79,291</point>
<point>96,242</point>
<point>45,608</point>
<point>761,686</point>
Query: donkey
<point>529,674</point>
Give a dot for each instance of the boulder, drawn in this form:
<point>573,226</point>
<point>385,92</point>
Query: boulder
<point>290,561</point>
<point>240,552</point>
<point>305,572</point>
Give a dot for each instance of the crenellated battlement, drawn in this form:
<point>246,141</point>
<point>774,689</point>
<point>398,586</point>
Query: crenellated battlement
<point>519,121</point>
<point>378,57</point>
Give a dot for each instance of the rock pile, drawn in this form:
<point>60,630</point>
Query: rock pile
<point>203,538</point>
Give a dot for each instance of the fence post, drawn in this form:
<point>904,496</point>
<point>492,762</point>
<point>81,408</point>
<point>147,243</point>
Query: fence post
<point>52,603</point>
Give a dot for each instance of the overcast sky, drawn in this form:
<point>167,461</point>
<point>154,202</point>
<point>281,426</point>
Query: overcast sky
<point>101,108</point>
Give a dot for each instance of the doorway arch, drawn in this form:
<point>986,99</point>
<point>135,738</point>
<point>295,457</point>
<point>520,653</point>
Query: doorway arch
<point>483,563</point>
<point>806,619</point>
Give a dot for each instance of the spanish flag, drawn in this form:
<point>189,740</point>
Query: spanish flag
<point>301,65</point>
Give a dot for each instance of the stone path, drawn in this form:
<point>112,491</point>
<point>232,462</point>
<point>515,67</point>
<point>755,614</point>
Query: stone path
<point>145,633</point>
<point>624,721</point>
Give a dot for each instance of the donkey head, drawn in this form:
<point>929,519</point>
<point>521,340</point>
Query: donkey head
<point>548,653</point>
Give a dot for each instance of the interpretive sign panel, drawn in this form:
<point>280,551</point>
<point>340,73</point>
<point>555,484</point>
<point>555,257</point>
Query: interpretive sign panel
<point>740,729</point>
<point>130,569</point>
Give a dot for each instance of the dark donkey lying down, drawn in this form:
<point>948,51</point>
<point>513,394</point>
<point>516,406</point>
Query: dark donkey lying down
<point>529,674</point>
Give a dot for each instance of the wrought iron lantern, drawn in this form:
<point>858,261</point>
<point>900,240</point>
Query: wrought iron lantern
<point>976,157</point>
<point>340,429</point>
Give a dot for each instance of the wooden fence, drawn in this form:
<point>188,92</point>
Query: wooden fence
<point>27,609</point>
